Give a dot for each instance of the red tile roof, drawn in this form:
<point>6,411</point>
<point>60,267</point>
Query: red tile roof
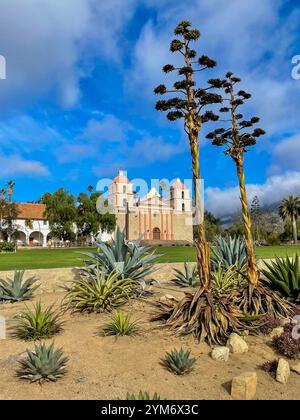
<point>31,211</point>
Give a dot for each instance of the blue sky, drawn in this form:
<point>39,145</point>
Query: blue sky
<point>77,104</point>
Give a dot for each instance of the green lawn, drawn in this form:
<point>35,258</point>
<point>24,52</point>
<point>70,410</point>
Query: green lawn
<point>58,258</point>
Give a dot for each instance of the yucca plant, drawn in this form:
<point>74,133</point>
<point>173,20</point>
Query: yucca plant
<point>228,251</point>
<point>98,292</point>
<point>187,278</point>
<point>179,362</point>
<point>127,259</point>
<point>226,279</point>
<point>283,276</point>
<point>143,395</point>
<point>16,289</point>
<point>120,324</point>
<point>44,363</point>
<point>38,323</point>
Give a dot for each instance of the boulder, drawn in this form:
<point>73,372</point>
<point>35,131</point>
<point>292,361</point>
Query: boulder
<point>283,371</point>
<point>296,368</point>
<point>220,353</point>
<point>276,332</point>
<point>243,387</point>
<point>237,344</point>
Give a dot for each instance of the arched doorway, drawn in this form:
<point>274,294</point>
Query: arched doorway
<point>36,239</point>
<point>156,233</point>
<point>21,238</point>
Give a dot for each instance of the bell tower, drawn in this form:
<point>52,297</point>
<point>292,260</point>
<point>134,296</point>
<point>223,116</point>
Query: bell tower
<point>180,198</point>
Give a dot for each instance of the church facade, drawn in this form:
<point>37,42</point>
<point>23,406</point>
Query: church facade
<point>152,216</point>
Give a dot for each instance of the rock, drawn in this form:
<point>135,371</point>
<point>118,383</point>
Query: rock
<point>165,298</point>
<point>276,332</point>
<point>296,368</point>
<point>283,371</point>
<point>236,344</point>
<point>284,321</point>
<point>220,354</point>
<point>243,387</point>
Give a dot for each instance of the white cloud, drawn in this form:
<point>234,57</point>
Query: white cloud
<point>286,154</point>
<point>15,165</point>
<point>226,201</point>
<point>46,43</point>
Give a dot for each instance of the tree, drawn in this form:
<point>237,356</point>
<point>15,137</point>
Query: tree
<point>255,213</point>
<point>237,137</point>
<point>189,104</point>
<point>8,213</point>
<point>89,222</point>
<point>61,213</point>
<point>205,312</point>
<point>290,210</point>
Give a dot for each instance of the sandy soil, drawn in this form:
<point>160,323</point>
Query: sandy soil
<point>107,368</point>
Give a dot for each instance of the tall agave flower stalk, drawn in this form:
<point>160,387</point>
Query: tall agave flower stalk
<point>189,104</point>
<point>236,138</point>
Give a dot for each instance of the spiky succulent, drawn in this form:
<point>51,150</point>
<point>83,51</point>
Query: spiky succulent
<point>127,259</point>
<point>224,280</point>
<point>283,276</point>
<point>187,278</point>
<point>16,289</point>
<point>98,292</point>
<point>121,324</point>
<point>143,395</point>
<point>44,363</point>
<point>37,323</point>
<point>179,361</point>
<point>228,251</point>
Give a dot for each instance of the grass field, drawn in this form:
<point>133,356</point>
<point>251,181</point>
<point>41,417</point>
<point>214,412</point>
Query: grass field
<point>58,258</point>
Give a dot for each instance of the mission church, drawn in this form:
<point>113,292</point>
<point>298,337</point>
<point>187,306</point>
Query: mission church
<point>152,217</point>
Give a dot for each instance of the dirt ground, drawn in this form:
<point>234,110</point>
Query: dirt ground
<point>108,368</point>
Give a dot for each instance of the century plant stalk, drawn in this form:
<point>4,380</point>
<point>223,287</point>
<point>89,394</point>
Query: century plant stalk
<point>189,105</point>
<point>237,140</point>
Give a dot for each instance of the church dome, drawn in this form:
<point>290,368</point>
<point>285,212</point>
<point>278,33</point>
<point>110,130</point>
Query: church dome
<point>121,178</point>
<point>178,185</point>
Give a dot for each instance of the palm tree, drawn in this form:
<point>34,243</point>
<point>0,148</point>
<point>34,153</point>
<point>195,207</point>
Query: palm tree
<point>10,189</point>
<point>290,209</point>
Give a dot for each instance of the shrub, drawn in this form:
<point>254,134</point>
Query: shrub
<point>270,367</point>
<point>267,324</point>
<point>120,325</point>
<point>143,395</point>
<point>38,323</point>
<point>228,251</point>
<point>127,259</point>
<point>7,246</point>
<point>187,278</point>
<point>286,345</point>
<point>179,362</point>
<point>15,289</point>
<point>43,364</point>
<point>283,276</point>
<point>223,280</point>
<point>97,292</point>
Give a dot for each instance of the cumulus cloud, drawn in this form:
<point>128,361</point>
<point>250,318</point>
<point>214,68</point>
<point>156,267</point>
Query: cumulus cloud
<point>15,165</point>
<point>45,45</point>
<point>225,201</point>
<point>286,153</point>
<point>246,37</point>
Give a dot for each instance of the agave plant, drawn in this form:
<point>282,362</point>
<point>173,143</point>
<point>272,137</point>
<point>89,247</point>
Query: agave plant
<point>143,395</point>
<point>43,364</point>
<point>38,323</point>
<point>16,289</point>
<point>98,292</point>
<point>283,276</point>
<point>128,259</point>
<point>179,362</point>
<point>224,280</point>
<point>228,251</point>
<point>121,324</point>
<point>187,278</point>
